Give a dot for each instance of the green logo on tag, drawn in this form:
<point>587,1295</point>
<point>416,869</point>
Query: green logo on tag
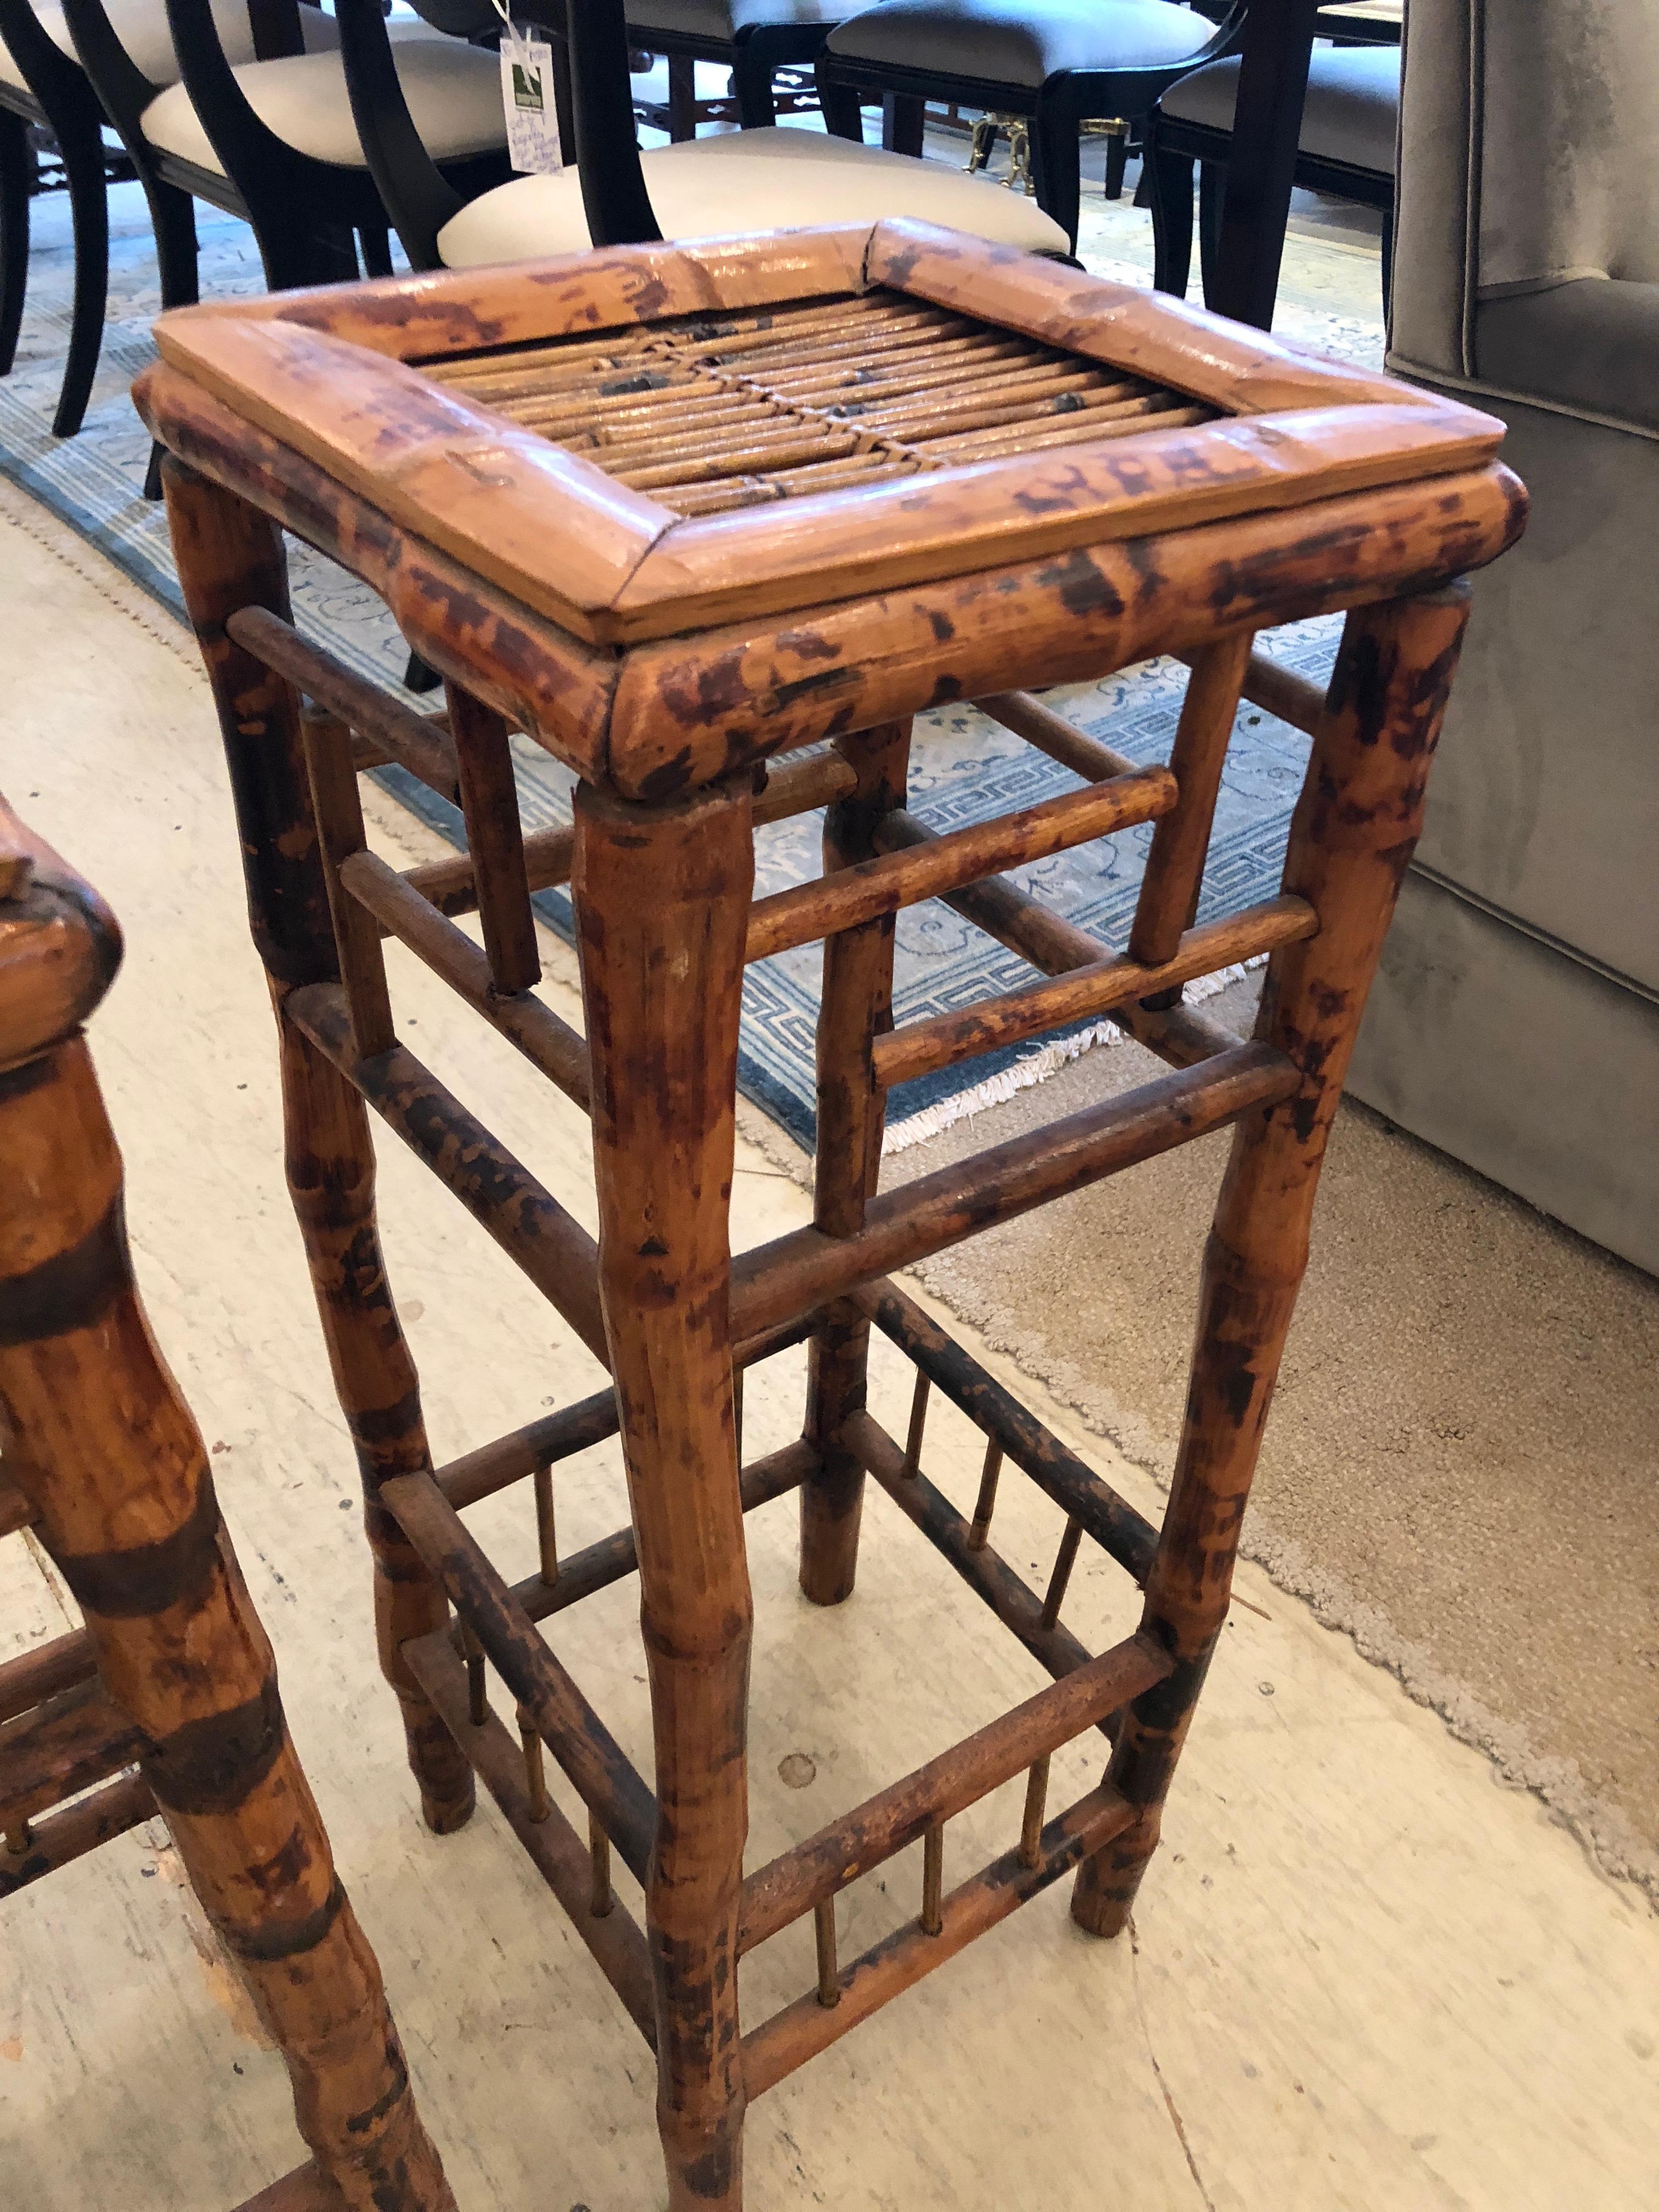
<point>526,88</point>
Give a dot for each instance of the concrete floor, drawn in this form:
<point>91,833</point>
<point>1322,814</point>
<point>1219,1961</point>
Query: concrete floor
<point>1364,1974</point>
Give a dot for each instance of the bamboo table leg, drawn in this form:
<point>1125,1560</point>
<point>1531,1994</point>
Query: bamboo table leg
<point>1352,836</point>
<point>230,556</point>
<point>857,1005</point>
<point>661,983</point>
<point>106,1449</point>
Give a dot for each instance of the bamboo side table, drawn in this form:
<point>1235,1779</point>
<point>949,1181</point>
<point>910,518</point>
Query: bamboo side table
<point>710,524</point>
<point>165,1701</point>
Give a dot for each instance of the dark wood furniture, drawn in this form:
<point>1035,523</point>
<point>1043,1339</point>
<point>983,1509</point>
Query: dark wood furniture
<point>753,39</point>
<point>43,86</point>
<point>1350,118</point>
<point>1058,61</point>
<point>682,515</point>
<point>165,1701</point>
<point>698,188</point>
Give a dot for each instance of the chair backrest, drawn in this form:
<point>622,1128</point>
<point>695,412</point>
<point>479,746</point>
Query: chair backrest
<point>1530,157</point>
<point>599,113</point>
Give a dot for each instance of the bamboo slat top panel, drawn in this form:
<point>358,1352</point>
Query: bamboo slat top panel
<point>708,412</point>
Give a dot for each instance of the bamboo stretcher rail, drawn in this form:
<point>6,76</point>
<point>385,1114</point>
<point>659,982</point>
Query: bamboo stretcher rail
<point>558,1852</point>
<point>1281,692</point>
<point>1002,910</point>
<point>1122,1533</point>
<point>307,2189</point>
<point>33,1676</point>
<point>797,787</point>
<point>417,742</point>
<point>851,895</point>
<point>519,1454</point>
<point>1015,1604</point>
<point>535,1232</point>
<point>610,1783</point>
<point>64,1745</point>
<point>613,1557</point>
<point>796,1880</point>
<point>79,1828</point>
<point>1085,994</point>
<point>790,2038</point>
<point>546,1042</point>
<point>775,1281</point>
<point>1051,733</point>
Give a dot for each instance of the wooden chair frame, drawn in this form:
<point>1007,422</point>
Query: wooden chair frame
<point>165,1701</point>
<point>59,99</point>
<point>674,661</point>
<point>1057,109</point>
<point>1173,145</point>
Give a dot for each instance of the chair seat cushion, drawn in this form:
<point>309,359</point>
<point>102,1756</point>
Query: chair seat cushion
<point>1022,42</point>
<point>453,91</point>
<point>722,186</point>
<point>720,21</point>
<point>1352,110</point>
<point>142,28</point>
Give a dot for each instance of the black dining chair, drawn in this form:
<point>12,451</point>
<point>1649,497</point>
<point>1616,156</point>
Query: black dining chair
<point>1059,62</point>
<point>249,112</point>
<point>1350,121</point>
<point>782,176</point>
<point>43,86</point>
<point>752,39</point>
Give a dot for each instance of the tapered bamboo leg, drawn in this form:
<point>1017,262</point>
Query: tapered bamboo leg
<point>662,899</point>
<point>231,557</point>
<point>100,1440</point>
<point>1353,831</point>
<point>857,1002</point>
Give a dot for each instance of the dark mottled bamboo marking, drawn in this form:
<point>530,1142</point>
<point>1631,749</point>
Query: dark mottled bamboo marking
<point>117,1475</point>
<point>660,982</point>
<point>1354,828</point>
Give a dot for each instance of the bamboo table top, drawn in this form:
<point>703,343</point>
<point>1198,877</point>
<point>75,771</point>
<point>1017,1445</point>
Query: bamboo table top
<point>605,489</point>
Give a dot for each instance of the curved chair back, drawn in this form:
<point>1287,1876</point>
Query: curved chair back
<point>598,124</point>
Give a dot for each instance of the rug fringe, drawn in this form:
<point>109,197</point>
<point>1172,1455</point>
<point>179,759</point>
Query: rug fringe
<point>1037,1068</point>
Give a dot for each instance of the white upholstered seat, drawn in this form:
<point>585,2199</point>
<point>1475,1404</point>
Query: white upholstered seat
<point>453,91</point>
<point>713,187</point>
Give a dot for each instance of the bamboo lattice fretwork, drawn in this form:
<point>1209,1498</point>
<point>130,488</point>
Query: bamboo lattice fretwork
<point>714,411</point>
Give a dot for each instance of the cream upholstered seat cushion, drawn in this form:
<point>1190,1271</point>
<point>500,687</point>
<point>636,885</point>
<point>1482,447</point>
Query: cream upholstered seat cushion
<point>1011,42</point>
<point>453,91</point>
<point>142,28</point>
<point>1352,112</point>
<point>779,179</point>
<point>723,19</point>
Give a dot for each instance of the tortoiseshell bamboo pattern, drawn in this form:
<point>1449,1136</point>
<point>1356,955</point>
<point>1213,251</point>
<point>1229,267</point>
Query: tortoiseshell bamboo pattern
<point>173,1670</point>
<point>674,511</point>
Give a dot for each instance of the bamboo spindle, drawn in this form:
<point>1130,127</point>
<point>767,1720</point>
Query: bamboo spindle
<point>918,1424</point>
<point>547,1546</point>
<point>535,1766</point>
<point>985,1505</point>
<point>823,1932</point>
<point>1030,1825</point>
<point>599,1850</point>
<point>932,1880</point>
<point>1059,1581</point>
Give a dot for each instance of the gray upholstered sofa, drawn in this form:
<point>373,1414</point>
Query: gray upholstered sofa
<point>1514,1022</point>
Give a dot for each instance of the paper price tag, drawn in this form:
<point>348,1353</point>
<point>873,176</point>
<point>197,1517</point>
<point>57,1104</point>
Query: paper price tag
<point>532,124</point>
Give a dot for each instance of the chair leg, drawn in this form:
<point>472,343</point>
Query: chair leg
<point>752,81</point>
<point>1387,266</point>
<point>1054,165</point>
<point>229,557</point>
<point>1375,741</point>
<point>115,1467</point>
<point>84,162</point>
<point>1117,161</point>
<point>843,115</point>
<point>682,98</point>
<point>16,179</point>
<point>660,980</point>
<point>1211,211</point>
<point>1170,177</point>
<point>903,122</point>
<point>857,1002</point>
<point>377,249</point>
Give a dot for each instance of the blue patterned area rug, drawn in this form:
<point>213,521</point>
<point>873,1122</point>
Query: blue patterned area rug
<point>964,767</point>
